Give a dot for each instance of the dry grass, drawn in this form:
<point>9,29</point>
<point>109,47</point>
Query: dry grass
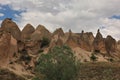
<point>8,75</point>
<point>100,71</point>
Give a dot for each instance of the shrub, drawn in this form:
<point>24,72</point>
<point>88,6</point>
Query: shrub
<point>45,42</point>
<point>35,78</point>
<point>58,64</point>
<point>93,57</point>
<point>111,59</point>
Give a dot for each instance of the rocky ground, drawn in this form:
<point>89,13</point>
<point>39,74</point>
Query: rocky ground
<point>8,75</point>
<point>100,71</point>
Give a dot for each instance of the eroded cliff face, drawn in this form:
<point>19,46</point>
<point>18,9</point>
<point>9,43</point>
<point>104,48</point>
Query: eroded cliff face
<point>73,39</point>
<point>14,41</point>
<point>110,44</point>
<point>8,47</point>
<point>99,43</point>
<point>86,41</point>
<point>27,32</point>
<point>11,27</point>
<point>39,33</point>
<point>19,50</point>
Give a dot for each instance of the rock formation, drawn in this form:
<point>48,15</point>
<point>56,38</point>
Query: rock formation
<point>86,41</point>
<point>27,32</point>
<point>99,43</point>
<point>58,32</point>
<point>19,50</point>
<point>110,44</point>
<point>57,38</point>
<point>11,27</point>
<point>13,41</point>
<point>8,47</point>
<point>73,40</point>
<point>40,32</point>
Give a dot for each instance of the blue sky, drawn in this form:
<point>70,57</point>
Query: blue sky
<point>115,17</point>
<point>77,15</point>
<point>8,12</point>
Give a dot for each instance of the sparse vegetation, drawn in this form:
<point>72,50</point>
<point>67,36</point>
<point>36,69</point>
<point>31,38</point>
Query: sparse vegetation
<point>100,71</point>
<point>97,51</point>
<point>35,78</point>
<point>111,59</point>
<point>5,74</point>
<point>24,56</point>
<point>58,64</point>
<point>45,42</point>
<point>40,51</point>
<point>93,57</point>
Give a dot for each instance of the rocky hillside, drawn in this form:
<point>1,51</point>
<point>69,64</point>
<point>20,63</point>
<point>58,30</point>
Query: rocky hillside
<point>19,50</point>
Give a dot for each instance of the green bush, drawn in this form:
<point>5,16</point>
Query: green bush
<point>111,59</point>
<point>35,78</point>
<point>58,64</point>
<point>45,42</point>
<point>93,57</point>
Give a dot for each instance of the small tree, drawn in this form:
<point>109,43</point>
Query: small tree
<point>93,57</point>
<point>58,64</point>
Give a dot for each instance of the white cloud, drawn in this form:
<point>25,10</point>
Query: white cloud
<point>77,15</point>
<point>1,14</point>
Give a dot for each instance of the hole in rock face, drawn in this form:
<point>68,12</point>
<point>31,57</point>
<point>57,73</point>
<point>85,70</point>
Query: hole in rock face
<point>97,51</point>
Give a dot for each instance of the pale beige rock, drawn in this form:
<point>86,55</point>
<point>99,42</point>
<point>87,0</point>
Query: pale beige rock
<point>27,32</point>
<point>11,27</point>
<point>99,43</point>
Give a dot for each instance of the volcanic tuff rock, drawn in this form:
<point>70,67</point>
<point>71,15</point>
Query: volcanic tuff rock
<point>10,26</point>
<point>118,42</point>
<point>110,44</point>
<point>86,41</point>
<point>99,43</point>
<point>8,47</point>
<point>40,32</point>
<point>73,40</point>
<point>82,40</point>
<point>12,40</point>
<point>27,32</point>
<point>58,32</point>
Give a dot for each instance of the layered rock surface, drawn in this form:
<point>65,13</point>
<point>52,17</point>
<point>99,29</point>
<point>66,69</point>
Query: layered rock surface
<point>11,27</point>
<point>20,49</point>
<point>8,47</point>
<point>27,32</point>
<point>12,40</point>
<point>99,43</point>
